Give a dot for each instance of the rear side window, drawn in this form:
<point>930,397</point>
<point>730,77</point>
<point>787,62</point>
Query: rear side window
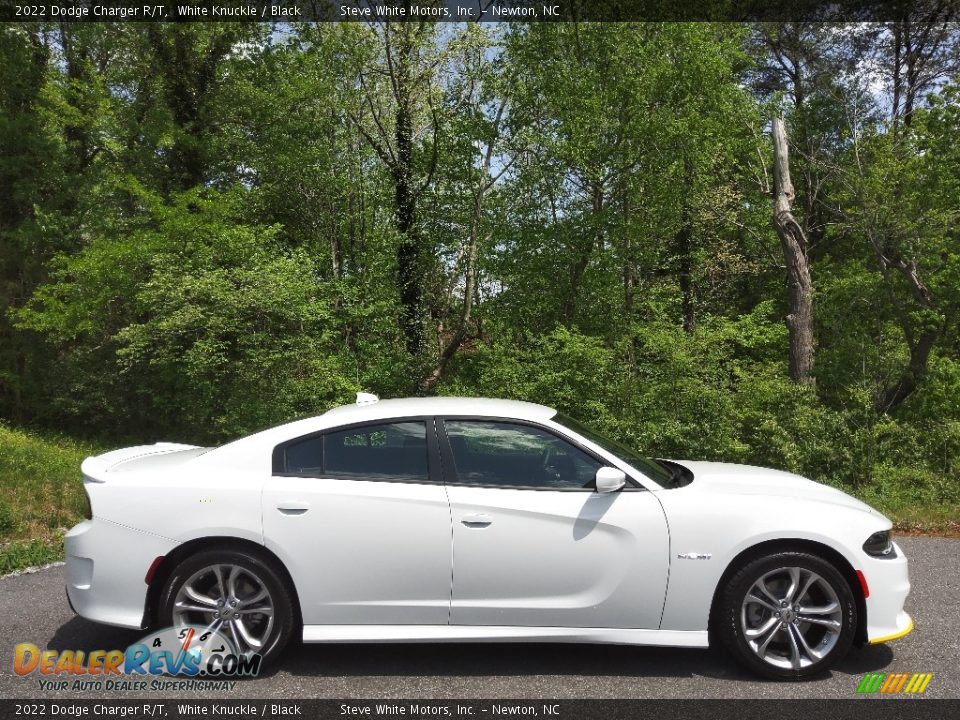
<point>391,452</point>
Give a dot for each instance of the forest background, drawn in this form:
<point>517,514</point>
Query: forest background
<point>206,229</point>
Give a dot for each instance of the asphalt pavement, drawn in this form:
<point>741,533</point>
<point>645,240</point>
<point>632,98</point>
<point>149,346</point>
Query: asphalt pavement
<point>33,608</point>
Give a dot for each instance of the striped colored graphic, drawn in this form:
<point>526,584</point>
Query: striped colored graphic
<point>893,683</point>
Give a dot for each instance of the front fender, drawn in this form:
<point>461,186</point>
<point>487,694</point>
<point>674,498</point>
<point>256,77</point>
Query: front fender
<point>704,543</point>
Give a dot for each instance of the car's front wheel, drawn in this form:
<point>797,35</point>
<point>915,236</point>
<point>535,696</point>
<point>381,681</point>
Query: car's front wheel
<point>788,616</point>
<point>237,594</point>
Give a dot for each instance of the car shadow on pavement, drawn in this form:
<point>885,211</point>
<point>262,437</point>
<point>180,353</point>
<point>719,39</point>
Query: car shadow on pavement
<point>80,634</point>
<point>479,659</point>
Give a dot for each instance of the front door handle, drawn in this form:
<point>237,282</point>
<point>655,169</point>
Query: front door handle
<point>477,520</point>
<point>293,507</point>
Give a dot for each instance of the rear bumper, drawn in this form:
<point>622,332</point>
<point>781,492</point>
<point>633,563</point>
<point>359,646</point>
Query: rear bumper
<point>889,583</point>
<point>105,566</point>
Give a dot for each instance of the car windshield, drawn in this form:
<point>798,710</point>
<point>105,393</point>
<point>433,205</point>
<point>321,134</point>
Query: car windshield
<point>657,471</point>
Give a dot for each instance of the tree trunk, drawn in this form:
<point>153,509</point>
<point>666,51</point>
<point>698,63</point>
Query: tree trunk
<point>470,289</point>
<point>583,251</point>
<point>897,73</point>
<point>920,344</point>
<point>793,242</point>
<point>912,375</point>
<point>470,285</point>
<point>189,74</point>
<point>683,249</point>
<point>405,205</point>
<point>629,266</point>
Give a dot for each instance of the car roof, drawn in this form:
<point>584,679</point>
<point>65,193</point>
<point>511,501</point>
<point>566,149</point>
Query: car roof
<point>412,407</point>
<point>248,450</point>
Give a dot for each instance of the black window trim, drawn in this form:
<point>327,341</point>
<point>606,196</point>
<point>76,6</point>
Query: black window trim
<point>434,472</point>
<point>449,466</point>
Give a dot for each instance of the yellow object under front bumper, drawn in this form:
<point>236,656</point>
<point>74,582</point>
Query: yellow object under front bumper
<point>893,636</point>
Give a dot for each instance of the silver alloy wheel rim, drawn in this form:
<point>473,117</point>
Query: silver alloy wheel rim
<point>231,599</point>
<point>791,618</point>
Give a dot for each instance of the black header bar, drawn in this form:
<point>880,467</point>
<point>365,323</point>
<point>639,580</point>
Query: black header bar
<point>491,11</point>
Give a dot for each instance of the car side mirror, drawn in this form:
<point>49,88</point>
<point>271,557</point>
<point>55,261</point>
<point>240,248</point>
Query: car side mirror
<point>610,479</point>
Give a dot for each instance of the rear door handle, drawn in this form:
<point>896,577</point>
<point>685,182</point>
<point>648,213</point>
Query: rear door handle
<point>476,520</point>
<point>293,507</point>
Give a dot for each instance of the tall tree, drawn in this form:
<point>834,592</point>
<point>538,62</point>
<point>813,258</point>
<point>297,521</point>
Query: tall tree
<point>27,148</point>
<point>399,119</point>
<point>478,103</point>
<point>903,189</point>
<point>922,53</point>
<point>794,244</point>
<point>186,66</point>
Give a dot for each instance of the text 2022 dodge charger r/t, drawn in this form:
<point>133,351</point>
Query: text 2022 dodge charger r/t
<point>466,519</point>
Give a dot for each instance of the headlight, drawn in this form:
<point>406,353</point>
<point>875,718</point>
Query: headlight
<point>880,545</point>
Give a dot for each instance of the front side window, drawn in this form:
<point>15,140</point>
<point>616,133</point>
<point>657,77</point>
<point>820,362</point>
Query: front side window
<point>503,454</point>
<point>394,452</point>
<point>657,471</point>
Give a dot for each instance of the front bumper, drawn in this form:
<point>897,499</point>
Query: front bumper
<point>904,620</point>
<point>105,566</point>
<point>889,584</point>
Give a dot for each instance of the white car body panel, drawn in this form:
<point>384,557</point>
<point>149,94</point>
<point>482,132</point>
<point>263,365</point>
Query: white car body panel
<point>364,552</point>
<point>381,561</point>
<point>565,559</point>
<point>494,633</point>
<point>785,506</point>
<point>110,592</point>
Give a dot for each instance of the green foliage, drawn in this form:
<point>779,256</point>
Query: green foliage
<point>8,522</point>
<point>40,485</point>
<point>192,250</point>
<point>211,325</point>
<point>29,553</point>
<point>721,394</point>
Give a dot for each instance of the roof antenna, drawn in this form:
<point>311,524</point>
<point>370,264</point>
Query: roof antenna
<point>366,398</point>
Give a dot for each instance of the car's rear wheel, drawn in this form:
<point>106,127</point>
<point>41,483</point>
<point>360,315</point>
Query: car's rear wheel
<point>787,616</point>
<point>238,594</point>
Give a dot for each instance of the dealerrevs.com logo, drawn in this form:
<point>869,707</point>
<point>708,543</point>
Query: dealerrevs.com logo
<point>183,652</point>
<point>895,683</point>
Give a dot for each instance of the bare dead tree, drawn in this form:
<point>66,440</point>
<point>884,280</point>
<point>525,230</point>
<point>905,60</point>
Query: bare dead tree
<point>794,244</point>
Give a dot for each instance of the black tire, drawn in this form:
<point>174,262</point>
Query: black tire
<point>733,614</point>
<point>279,594</point>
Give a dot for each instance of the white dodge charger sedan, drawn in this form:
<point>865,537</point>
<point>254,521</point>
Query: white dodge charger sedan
<point>467,519</point>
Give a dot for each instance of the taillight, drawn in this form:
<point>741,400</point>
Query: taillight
<point>88,509</point>
<point>148,578</point>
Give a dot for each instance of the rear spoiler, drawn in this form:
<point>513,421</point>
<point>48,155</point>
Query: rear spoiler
<point>94,467</point>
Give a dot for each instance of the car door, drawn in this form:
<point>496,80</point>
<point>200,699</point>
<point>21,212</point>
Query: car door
<point>535,545</point>
<point>360,517</point>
